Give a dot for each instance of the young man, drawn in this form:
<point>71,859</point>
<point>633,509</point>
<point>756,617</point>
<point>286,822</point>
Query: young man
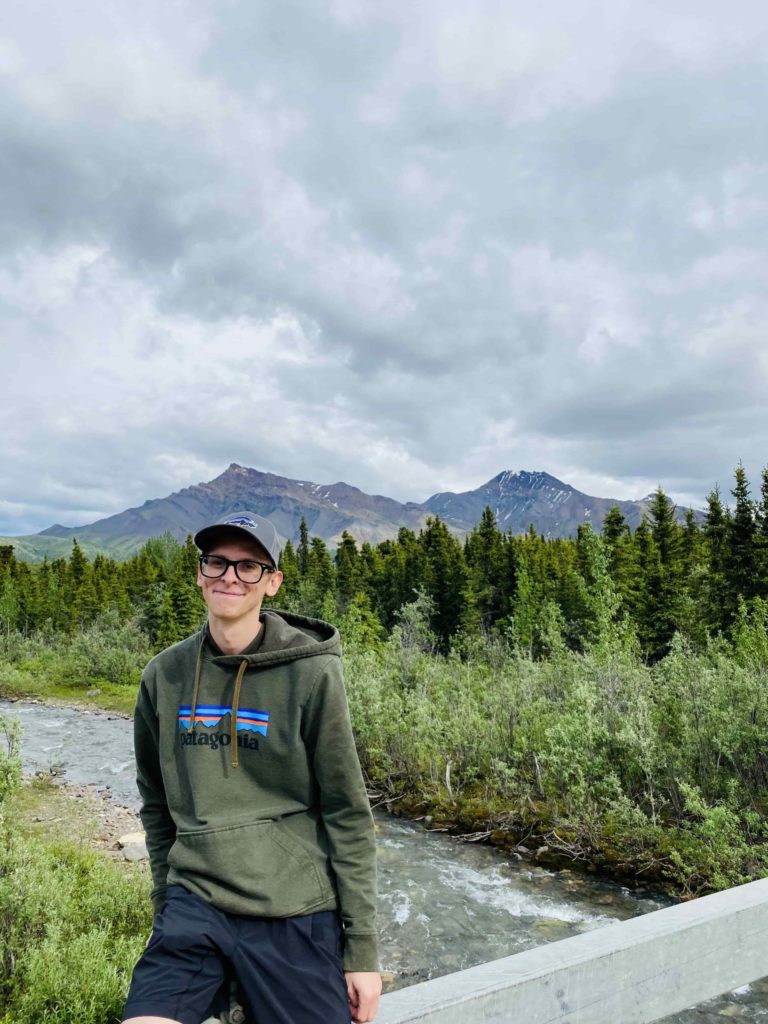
<point>258,827</point>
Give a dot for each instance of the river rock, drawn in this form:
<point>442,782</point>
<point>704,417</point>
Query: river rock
<point>133,845</point>
<point>131,839</point>
<point>135,852</point>
<point>550,927</point>
<point>605,899</point>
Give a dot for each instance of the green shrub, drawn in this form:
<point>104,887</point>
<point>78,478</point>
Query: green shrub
<point>110,649</point>
<point>10,758</point>
<point>72,925</point>
<point>666,764</point>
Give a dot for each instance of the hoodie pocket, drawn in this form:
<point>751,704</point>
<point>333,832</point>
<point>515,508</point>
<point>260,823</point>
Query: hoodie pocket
<point>253,869</point>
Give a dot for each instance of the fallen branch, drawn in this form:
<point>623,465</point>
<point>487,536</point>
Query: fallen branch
<point>388,800</point>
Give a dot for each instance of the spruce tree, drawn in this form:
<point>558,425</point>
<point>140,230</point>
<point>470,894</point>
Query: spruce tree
<point>302,552</point>
<point>318,584</point>
<point>7,560</point>
<point>718,608</point>
<point>446,579</point>
<point>510,567</point>
<point>620,550</point>
<point>84,599</point>
<point>141,576</point>
<point>188,560</point>
<point>348,571</point>
<point>10,605</point>
<point>485,560</point>
<point>655,610</point>
<point>741,564</point>
<point>601,600</point>
<point>693,622</point>
<point>691,546</point>
<point>168,629</point>
<point>527,608</point>
<point>403,572</point>
<point>186,602</point>
<point>665,531</point>
<point>78,565</point>
<point>61,594</point>
<point>289,591</point>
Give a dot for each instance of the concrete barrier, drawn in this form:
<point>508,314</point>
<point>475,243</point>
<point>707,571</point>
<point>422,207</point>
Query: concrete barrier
<point>632,972</point>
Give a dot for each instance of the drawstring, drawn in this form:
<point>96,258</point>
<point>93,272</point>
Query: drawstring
<point>196,690</point>
<point>235,701</point>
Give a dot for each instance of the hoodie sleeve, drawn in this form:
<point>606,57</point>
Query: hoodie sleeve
<point>346,814</point>
<point>159,826</point>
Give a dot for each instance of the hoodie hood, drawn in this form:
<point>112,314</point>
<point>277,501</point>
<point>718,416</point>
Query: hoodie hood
<point>283,637</point>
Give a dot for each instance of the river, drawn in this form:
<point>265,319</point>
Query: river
<point>444,904</point>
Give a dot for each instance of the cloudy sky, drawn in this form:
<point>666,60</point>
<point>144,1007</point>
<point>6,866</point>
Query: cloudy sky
<point>406,245</point>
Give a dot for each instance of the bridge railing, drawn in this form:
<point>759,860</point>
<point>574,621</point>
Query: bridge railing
<point>633,972</point>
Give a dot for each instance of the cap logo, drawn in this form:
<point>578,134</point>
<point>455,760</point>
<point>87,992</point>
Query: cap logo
<point>241,521</point>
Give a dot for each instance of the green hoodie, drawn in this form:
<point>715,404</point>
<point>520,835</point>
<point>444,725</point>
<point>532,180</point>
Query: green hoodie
<point>263,812</point>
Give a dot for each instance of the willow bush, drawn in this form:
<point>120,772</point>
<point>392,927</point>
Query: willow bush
<point>108,650</point>
<point>664,764</point>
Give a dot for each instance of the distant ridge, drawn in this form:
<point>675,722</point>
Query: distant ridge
<point>518,499</point>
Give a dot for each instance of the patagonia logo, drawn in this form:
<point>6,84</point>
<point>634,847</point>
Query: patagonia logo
<point>241,521</point>
<point>210,715</point>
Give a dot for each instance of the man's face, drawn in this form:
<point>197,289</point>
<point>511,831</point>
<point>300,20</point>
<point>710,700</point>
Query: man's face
<point>228,598</point>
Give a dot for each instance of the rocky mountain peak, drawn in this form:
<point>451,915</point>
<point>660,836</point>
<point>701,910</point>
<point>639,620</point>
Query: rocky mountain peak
<point>518,499</point>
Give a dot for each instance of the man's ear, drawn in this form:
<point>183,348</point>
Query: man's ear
<point>275,581</point>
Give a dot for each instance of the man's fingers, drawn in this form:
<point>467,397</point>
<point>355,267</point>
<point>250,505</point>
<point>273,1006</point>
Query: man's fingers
<point>363,991</point>
<point>364,1009</point>
<point>364,1012</point>
<point>351,994</point>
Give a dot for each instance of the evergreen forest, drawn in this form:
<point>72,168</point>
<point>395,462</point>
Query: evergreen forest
<point>667,578</point>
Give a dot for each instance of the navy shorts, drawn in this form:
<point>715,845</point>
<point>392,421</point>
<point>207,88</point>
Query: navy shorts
<point>288,969</point>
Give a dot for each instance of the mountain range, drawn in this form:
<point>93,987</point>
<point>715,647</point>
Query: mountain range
<point>518,500</point>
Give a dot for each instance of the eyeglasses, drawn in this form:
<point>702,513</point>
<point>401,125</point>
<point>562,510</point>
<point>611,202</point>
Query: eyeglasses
<point>246,569</point>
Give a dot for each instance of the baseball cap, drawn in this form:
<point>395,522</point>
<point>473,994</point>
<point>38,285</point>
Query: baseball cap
<point>256,527</point>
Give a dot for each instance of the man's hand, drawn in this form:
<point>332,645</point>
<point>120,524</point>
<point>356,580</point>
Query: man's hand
<point>363,991</point>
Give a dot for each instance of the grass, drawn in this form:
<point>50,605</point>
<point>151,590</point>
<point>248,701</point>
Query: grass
<point>40,808</point>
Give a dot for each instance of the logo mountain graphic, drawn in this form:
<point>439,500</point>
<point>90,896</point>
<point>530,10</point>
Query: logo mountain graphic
<point>210,715</point>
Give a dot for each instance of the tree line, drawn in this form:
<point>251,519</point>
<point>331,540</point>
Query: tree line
<point>666,577</point>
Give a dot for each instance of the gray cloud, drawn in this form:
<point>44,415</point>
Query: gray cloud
<point>403,246</point>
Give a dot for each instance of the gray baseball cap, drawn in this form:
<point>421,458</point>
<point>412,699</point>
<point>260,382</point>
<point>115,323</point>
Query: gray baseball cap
<point>248,523</point>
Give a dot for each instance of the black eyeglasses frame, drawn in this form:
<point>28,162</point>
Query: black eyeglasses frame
<point>236,563</point>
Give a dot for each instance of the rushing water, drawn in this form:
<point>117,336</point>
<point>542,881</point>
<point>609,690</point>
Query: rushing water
<point>444,905</point>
